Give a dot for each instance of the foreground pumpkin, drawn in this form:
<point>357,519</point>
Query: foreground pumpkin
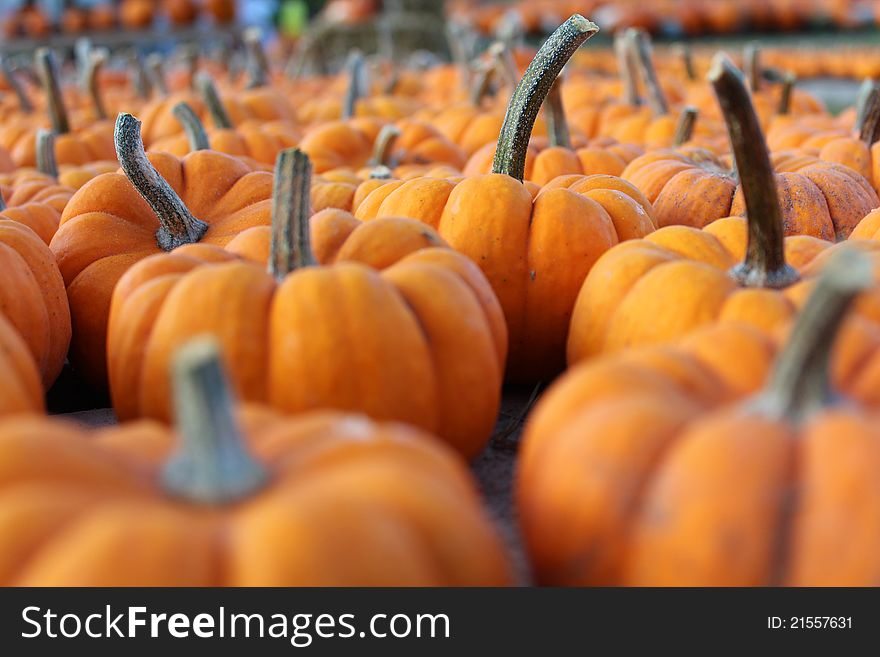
<point>394,330</point>
<point>32,297</point>
<point>634,472</point>
<point>534,251</point>
<point>733,268</point>
<point>321,500</point>
<point>160,202</point>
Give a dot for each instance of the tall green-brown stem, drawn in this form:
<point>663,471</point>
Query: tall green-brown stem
<point>95,63</point>
<point>257,62</point>
<point>786,90</point>
<point>47,70</point>
<point>177,225</point>
<point>640,43</point>
<point>800,382</point>
<point>291,211</point>
<point>684,128</point>
<point>384,146</point>
<point>529,95</point>
<point>45,152</point>
<point>558,134</point>
<point>24,101</point>
<point>357,84</point>
<point>211,98</point>
<point>627,70</point>
<point>868,121</point>
<point>212,465</point>
<point>193,127</point>
<point>764,265</point>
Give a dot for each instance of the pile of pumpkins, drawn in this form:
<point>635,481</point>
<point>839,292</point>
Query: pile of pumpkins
<point>30,19</point>
<point>305,294</point>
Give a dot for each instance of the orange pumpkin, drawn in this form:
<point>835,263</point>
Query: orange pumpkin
<point>534,246</point>
<point>392,329</point>
<point>238,497</point>
<point>21,390</point>
<point>628,464</point>
<point>160,202</point>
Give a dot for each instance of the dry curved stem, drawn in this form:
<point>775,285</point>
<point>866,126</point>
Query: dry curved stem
<point>639,42</point>
<point>482,77</point>
<point>139,78</point>
<point>47,70</point>
<point>684,129</point>
<point>384,146</point>
<point>752,65</point>
<point>764,265</point>
<point>357,84</point>
<point>504,63</point>
<point>96,62</point>
<point>209,95</point>
<point>789,80</point>
<point>155,67</point>
<point>868,123</point>
<point>800,383</point>
<point>626,69</point>
<point>45,152</point>
<point>291,211</point>
<point>861,101</point>
<point>24,101</point>
<point>529,95</point>
<point>193,127</point>
<point>257,62</point>
<point>687,61</point>
<point>177,225</point>
<point>554,113</point>
<point>212,464</point>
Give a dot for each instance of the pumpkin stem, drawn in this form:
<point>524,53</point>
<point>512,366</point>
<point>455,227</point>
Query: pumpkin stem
<point>177,225</point>
<point>357,85</point>
<point>504,63</point>
<point>95,63</point>
<point>684,129</point>
<point>640,43</point>
<point>190,56</point>
<point>139,78</point>
<point>209,95</point>
<point>529,95</point>
<point>482,83</point>
<point>626,69</point>
<point>156,73</point>
<point>212,464</point>
<point>380,172</point>
<point>257,62</point>
<point>192,127</point>
<point>47,69</point>
<point>554,114</point>
<point>862,100</point>
<point>687,60</point>
<point>789,80</point>
<point>868,125</point>
<point>291,209</point>
<point>764,265</point>
<point>752,65</point>
<point>24,101</point>
<point>46,153</point>
<point>384,145</point>
<point>800,383</point>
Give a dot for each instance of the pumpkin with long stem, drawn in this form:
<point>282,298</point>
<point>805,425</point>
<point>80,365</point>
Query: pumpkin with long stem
<point>392,329</point>
<point>535,248</point>
<point>238,496</point>
<point>825,200</point>
<point>158,203</point>
<point>733,268</point>
<point>633,487</point>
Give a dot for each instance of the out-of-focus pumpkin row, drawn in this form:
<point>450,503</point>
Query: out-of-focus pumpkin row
<point>389,245</point>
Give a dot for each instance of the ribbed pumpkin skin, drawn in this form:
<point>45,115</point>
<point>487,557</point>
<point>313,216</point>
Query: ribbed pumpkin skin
<point>32,297</point>
<point>397,329</point>
<point>107,227</point>
<point>535,245</point>
<point>349,503</point>
<point>20,388</point>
